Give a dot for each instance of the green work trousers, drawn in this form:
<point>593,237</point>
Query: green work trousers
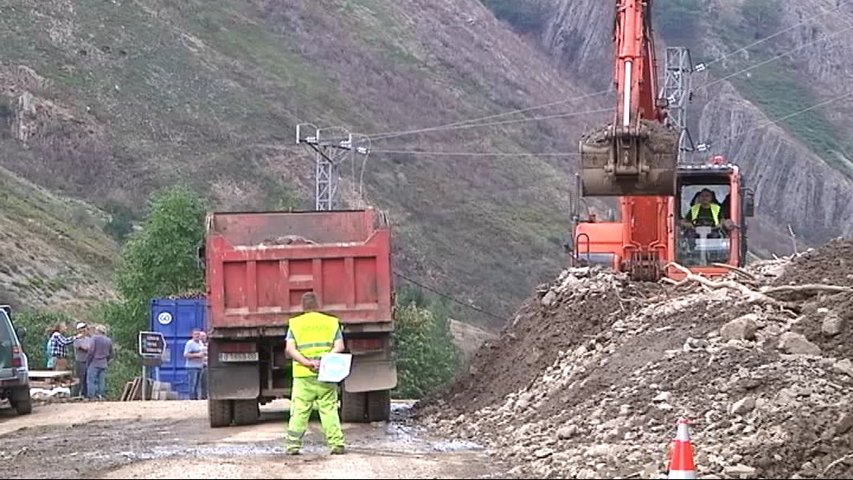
<point>306,391</point>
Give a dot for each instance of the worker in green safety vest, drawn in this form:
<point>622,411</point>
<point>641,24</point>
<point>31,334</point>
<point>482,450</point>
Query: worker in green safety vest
<point>310,336</point>
<point>704,211</point>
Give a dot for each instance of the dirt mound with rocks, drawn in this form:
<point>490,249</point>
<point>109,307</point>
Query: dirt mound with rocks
<point>581,303</point>
<point>832,263</point>
<point>763,373</point>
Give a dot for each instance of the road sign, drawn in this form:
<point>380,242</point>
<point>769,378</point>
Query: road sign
<point>151,344</point>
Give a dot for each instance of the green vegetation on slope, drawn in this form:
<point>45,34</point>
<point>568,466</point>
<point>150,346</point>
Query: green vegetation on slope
<point>54,250</point>
<point>426,356</point>
<point>774,90</point>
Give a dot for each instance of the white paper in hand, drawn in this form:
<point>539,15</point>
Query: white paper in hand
<point>334,367</point>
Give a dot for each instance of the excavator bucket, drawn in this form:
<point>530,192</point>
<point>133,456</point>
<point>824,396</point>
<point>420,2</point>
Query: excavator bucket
<point>638,160</point>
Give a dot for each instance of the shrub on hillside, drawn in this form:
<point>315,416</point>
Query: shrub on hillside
<point>426,356</point>
<point>677,19</point>
<point>525,16</point>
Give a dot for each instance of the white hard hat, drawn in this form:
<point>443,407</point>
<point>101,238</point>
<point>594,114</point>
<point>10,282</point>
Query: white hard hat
<point>81,325</point>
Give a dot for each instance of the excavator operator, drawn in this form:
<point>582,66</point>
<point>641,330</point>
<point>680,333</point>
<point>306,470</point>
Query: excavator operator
<point>706,211</point>
<point>703,211</point>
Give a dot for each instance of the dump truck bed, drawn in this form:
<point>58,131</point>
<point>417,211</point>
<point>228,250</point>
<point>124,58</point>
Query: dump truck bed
<point>260,264</point>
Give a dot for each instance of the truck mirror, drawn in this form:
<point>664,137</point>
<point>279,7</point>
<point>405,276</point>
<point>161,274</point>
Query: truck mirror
<point>749,204</point>
<point>568,247</point>
<point>21,333</point>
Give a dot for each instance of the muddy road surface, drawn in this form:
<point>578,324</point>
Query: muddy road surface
<point>173,440</point>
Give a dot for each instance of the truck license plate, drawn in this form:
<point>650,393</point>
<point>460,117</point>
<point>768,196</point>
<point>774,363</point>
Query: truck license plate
<point>238,357</point>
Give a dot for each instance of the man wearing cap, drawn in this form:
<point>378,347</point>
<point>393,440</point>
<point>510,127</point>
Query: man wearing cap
<point>82,344</point>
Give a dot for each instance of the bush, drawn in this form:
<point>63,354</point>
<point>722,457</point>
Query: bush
<point>427,358</point>
<point>120,223</point>
<point>34,342</point>
<point>677,19</point>
<point>525,16</point>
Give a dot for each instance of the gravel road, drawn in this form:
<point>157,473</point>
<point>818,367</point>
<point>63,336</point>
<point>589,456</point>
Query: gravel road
<point>173,440</point>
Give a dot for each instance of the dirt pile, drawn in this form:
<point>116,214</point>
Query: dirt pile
<point>751,365</point>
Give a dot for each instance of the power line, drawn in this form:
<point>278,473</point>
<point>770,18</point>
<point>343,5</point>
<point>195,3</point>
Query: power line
<point>786,117</point>
<point>473,122</point>
<point>477,154</point>
<point>449,297</point>
<point>777,57</point>
<point>780,32</point>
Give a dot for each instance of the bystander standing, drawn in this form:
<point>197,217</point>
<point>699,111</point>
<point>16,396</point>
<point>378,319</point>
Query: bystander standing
<point>57,346</point>
<point>81,352</point>
<point>194,355</point>
<point>203,380</point>
<point>100,354</point>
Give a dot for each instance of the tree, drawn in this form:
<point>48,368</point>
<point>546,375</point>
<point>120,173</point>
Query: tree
<point>161,259</point>
<point>157,261</point>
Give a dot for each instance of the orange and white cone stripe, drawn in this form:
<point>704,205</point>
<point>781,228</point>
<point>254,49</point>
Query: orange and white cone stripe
<point>681,457</point>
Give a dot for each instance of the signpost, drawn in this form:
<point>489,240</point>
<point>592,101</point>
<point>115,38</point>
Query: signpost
<point>152,347</point>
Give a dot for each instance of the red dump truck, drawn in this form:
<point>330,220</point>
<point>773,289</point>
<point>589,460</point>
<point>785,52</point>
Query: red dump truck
<point>257,266</point>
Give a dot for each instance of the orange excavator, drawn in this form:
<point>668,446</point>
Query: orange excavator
<point>635,158</point>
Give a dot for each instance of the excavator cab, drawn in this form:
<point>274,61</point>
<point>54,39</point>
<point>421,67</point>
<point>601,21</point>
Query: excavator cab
<point>636,160</point>
<point>719,233</point>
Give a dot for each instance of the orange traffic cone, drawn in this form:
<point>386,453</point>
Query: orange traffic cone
<point>681,454</point>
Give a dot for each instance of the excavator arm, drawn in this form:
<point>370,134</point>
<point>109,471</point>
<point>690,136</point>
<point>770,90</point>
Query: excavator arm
<point>636,155</point>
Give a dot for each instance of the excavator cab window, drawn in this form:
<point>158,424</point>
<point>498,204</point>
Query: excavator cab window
<point>703,208</point>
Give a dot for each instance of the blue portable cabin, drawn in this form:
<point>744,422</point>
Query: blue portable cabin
<point>176,319</point>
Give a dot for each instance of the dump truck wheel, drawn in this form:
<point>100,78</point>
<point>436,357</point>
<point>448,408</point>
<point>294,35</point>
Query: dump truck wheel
<point>246,412</point>
<point>219,413</point>
<point>379,406</point>
<point>353,407</point>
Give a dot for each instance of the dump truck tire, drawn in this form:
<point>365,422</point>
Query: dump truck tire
<point>246,412</point>
<point>219,413</point>
<point>379,406</point>
<point>353,407</point>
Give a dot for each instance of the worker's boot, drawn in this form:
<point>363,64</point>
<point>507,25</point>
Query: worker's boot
<point>293,451</point>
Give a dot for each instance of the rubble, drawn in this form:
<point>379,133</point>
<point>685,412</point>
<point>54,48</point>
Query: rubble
<point>742,328</point>
<point>796,343</point>
<point>590,383</point>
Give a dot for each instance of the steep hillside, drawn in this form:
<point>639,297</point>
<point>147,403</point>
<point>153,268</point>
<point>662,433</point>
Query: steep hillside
<point>116,98</point>
<point>800,168</point>
<point>54,251</point>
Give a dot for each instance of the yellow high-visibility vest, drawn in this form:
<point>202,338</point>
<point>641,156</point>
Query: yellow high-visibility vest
<point>314,334</point>
<point>715,212</point>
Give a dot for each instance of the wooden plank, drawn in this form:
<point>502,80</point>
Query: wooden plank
<point>126,391</point>
<point>134,389</point>
<point>49,373</point>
